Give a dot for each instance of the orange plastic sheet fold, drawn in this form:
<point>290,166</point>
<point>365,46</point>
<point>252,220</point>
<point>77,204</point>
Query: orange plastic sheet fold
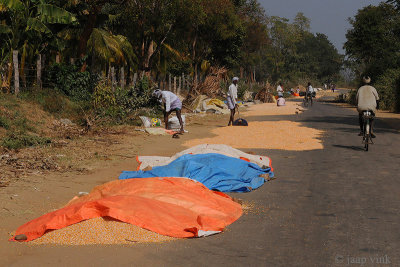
<point>177,207</point>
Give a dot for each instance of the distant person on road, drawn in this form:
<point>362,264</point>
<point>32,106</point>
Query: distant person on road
<point>367,100</point>
<point>279,89</point>
<point>281,102</point>
<point>171,103</point>
<point>333,88</point>
<point>231,99</point>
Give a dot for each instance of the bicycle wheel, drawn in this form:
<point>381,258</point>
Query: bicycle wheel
<point>305,103</point>
<point>367,134</point>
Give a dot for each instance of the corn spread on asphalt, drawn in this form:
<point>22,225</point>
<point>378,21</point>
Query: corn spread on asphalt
<point>284,135</point>
<point>268,109</point>
<point>100,231</point>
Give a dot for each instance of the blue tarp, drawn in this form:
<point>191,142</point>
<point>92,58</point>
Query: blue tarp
<point>215,171</point>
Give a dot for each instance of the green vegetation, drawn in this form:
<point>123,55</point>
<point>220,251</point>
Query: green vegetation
<point>372,49</point>
<point>158,37</point>
<point>122,105</point>
<point>19,140</point>
<point>20,132</point>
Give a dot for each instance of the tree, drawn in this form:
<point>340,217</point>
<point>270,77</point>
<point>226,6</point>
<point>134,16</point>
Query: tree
<point>31,23</point>
<point>302,22</point>
<point>374,39</point>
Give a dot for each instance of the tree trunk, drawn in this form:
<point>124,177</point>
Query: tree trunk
<point>148,55</point>
<point>23,58</point>
<point>87,31</point>
<point>10,71</point>
<point>16,72</point>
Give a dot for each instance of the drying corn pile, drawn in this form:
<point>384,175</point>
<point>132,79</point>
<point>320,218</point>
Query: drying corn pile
<point>100,231</point>
<point>265,94</point>
<point>271,109</point>
<point>285,135</point>
<point>253,208</point>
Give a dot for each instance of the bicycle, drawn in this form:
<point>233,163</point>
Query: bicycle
<point>367,138</point>
<point>308,100</point>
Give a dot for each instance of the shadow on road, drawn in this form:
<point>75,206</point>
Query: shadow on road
<point>356,148</point>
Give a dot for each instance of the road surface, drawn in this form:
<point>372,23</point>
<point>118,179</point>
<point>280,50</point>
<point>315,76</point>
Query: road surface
<point>338,206</point>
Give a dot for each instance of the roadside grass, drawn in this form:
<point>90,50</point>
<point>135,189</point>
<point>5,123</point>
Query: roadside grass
<point>18,131</point>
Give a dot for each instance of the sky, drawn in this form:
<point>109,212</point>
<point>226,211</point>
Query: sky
<point>327,16</point>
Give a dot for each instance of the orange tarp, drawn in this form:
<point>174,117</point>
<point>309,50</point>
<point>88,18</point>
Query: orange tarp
<point>177,207</point>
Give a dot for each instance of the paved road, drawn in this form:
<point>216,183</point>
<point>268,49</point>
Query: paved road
<point>338,206</point>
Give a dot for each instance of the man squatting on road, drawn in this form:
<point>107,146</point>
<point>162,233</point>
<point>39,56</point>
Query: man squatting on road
<point>367,100</point>
<point>171,103</point>
<point>231,99</point>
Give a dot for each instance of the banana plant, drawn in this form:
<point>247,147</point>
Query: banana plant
<point>28,22</point>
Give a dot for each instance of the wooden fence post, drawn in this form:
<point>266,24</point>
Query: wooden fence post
<point>16,72</point>
<point>112,78</point>
<point>174,84</point>
<point>122,79</point>
<point>39,71</point>
<point>169,82</point>
<point>134,79</point>
<point>179,86</point>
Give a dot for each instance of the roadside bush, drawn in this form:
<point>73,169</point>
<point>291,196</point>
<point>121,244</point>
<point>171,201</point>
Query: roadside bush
<point>123,105</point>
<point>17,140</point>
<point>69,80</point>
<point>4,122</point>
<point>351,97</point>
<point>388,87</point>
